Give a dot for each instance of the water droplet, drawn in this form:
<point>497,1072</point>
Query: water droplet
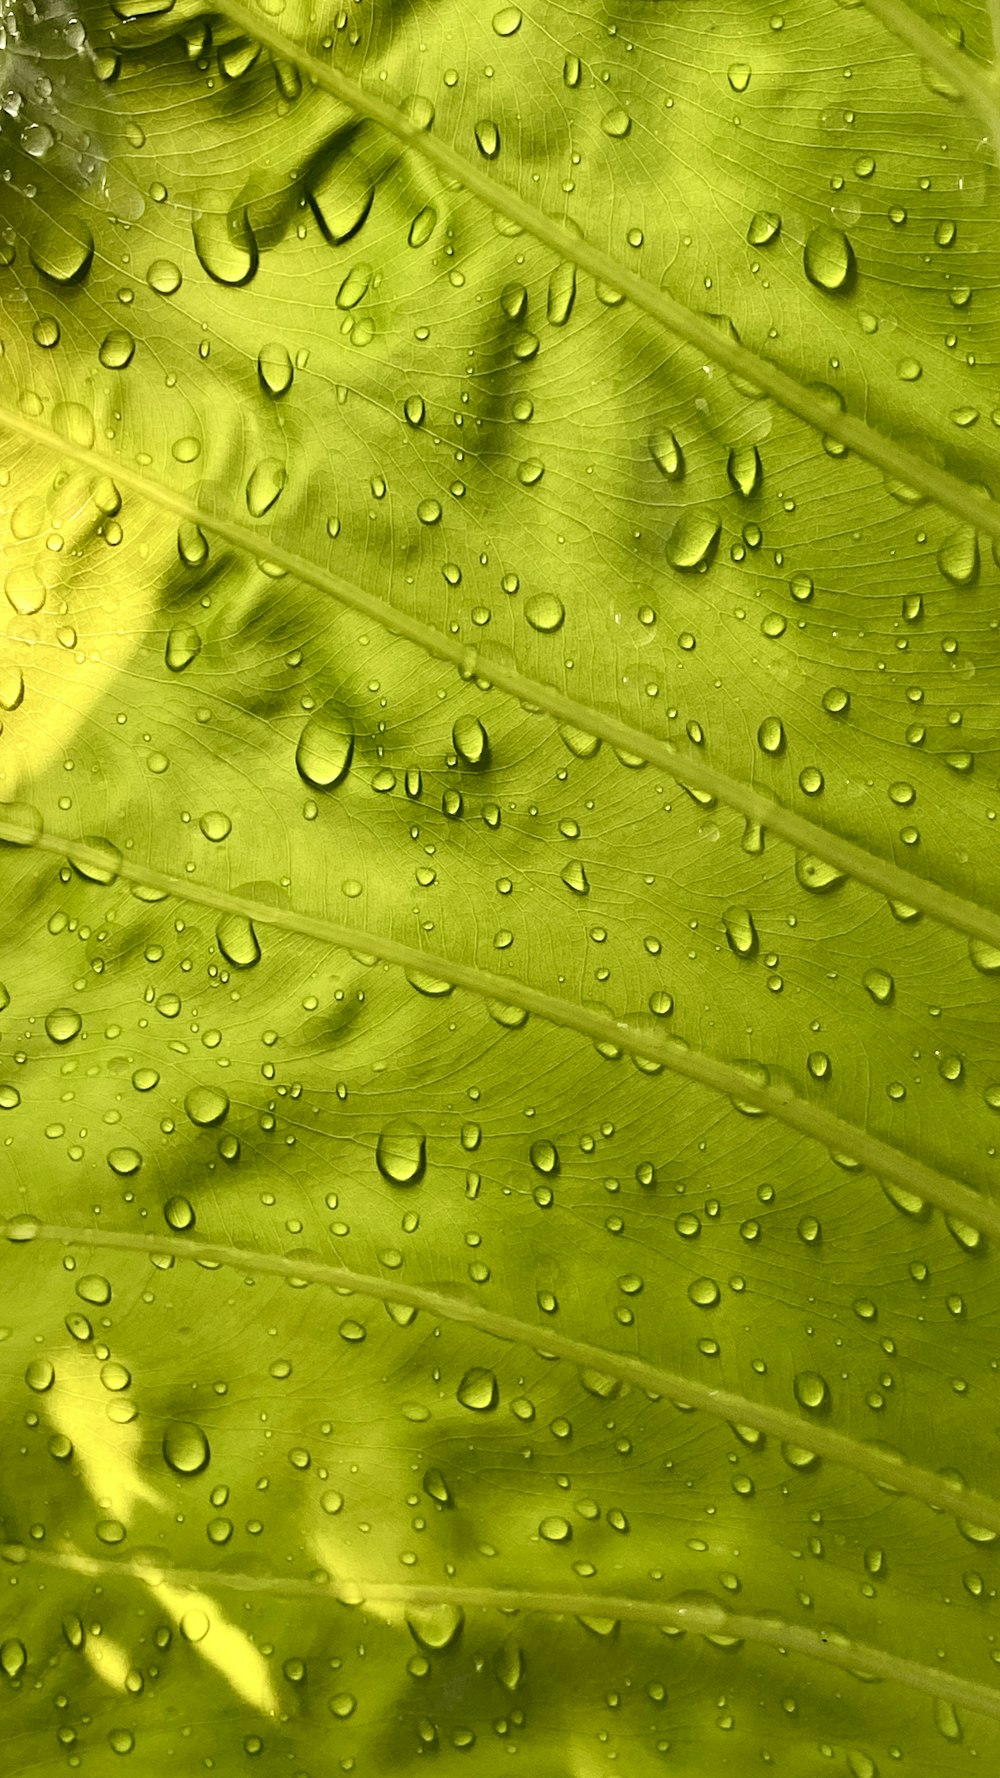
<point>267,479</point>
<point>60,252</point>
<point>478,1390</point>
<point>237,939</point>
<point>958,557</point>
<point>325,750</point>
<point>771,735</point>
<point>195,1626</point>
<point>741,933</point>
<point>422,226</point>
<point>401,1152</point>
<point>13,1657</point>
<point>617,123</point>
<point>544,1156</point>
<point>215,826</point>
<point>765,227</point>
<point>667,454</point>
<point>206,1106</point>
<point>471,742</point>
<point>828,259</point>
<point>545,612</point>
<point>704,1293</point>
<point>880,985</point>
<point>562,293</point>
<point>575,877</point>
<point>224,241</point>
<point>186,1449</point>
<point>275,369</point>
<point>744,470</point>
<point>435,1627</point>
<point>178,1213</point>
<point>739,75</point>
<point>692,541</point>
<point>508,1665</point>
<point>40,1375</point>
<point>507,21</point>
<point>101,862</point>
<point>811,1390</point>
<point>946,1721</point>
<point>354,286</point>
<point>117,349</point>
<point>63,1024</point>
<point>164,277</point>
<point>816,875</point>
<point>555,1529</point>
<point>183,647</point>
<point>341,199</point>
<point>487,138</point>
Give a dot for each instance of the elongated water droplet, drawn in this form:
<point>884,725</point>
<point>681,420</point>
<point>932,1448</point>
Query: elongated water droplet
<point>275,369</point>
<point>401,1152</point>
<point>741,933</point>
<point>224,241</point>
<point>816,875</point>
<point>692,541</point>
<point>562,293</point>
<point>183,647</point>
<point>471,742</point>
<point>744,470</point>
<point>828,259</point>
<point>423,225</point>
<point>186,1449</point>
<point>325,750</point>
<point>667,454</point>
<point>354,286</point>
<point>958,557</point>
<point>267,479</point>
<point>487,138</point>
<point>13,1657</point>
<point>237,939</point>
<point>771,735</point>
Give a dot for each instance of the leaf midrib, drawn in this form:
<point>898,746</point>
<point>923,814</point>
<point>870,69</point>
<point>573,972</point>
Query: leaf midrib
<point>835,1134</point>
<point>879,1466</point>
<point>880,874</point>
<point>697,1617</point>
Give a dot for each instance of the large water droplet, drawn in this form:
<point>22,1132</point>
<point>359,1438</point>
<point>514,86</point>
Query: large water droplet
<point>183,647</point>
<point>828,259</point>
<point>63,1024</point>
<point>186,1449</point>
<point>741,933</point>
<point>478,1390</point>
<point>545,612</point>
<point>325,750</point>
<point>224,241</point>
<point>237,940</point>
<point>401,1152</point>
<point>275,369</point>
<point>667,454</point>
<point>692,541</point>
<point>62,252</point>
<point>206,1106</point>
<point>267,478</point>
<point>435,1627</point>
<point>471,742</point>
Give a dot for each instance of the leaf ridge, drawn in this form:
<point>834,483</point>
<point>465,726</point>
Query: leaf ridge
<point>895,460</point>
<point>880,874</point>
<point>957,67</point>
<point>700,1615</point>
<point>884,1468</point>
<point>803,1115</point>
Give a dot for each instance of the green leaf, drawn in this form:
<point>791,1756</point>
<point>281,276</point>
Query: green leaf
<point>499,1065</point>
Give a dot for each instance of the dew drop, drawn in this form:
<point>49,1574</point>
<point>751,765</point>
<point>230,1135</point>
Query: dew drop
<point>13,1657</point>
<point>183,647</point>
<point>544,1156</point>
<point>958,557</point>
<point>267,479</point>
<point>545,612</point>
<point>117,349</point>
<point>401,1152</point>
<point>61,253</point>
<point>355,286</point>
<point>325,750</point>
<point>667,454</point>
<point>275,370</point>
<point>341,200</point>
<point>562,293</point>
<point>487,138</point>
<point>186,1449</point>
<point>237,939</point>
<point>478,1390</point>
<point>744,470</point>
<point>741,933</point>
<point>692,541</point>
<point>811,1390</point>
<point>224,242</point>
<point>206,1106</point>
<point>471,742</point>
<point>704,1293</point>
<point>507,21</point>
<point>880,985</point>
<point>816,875</point>
<point>828,259</point>
<point>435,1627</point>
<point>63,1024</point>
<point>764,228</point>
